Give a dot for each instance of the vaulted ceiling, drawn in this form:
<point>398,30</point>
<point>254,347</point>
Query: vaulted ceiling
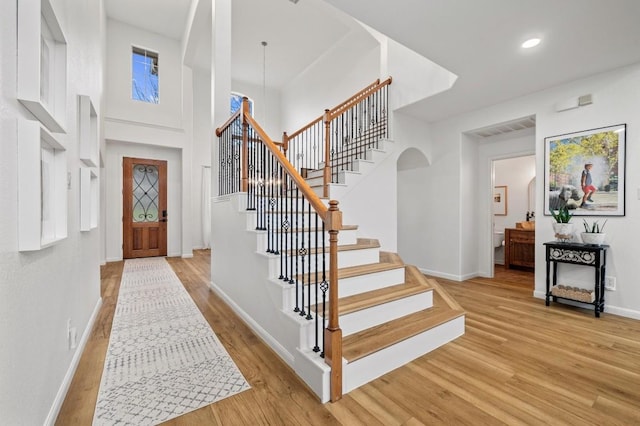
<point>477,40</point>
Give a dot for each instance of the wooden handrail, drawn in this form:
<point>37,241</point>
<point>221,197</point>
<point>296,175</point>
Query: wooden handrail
<point>374,87</point>
<point>333,112</point>
<point>227,123</point>
<point>308,126</point>
<point>357,95</point>
<point>314,200</point>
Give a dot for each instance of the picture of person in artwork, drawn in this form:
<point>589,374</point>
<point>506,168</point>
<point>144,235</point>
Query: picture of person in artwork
<point>587,185</point>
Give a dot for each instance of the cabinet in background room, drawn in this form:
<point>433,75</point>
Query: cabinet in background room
<point>519,248</point>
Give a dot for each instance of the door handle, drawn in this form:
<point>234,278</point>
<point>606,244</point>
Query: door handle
<point>164,213</point>
<point>163,220</point>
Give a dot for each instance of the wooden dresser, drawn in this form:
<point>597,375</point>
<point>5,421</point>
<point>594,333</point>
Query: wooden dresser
<point>519,248</point>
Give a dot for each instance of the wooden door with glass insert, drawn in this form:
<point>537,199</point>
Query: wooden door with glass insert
<point>144,193</point>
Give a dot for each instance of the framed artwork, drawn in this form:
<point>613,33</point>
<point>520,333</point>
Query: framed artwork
<point>500,200</point>
<point>585,171</point>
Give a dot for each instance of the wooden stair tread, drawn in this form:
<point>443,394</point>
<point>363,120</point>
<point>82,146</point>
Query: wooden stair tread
<point>361,244</point>
<point>355,271</point>
<point>344,228</point>
<point>376,338</point>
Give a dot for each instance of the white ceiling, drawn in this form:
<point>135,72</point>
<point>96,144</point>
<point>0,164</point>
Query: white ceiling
<point>480,42</point>
<point>477,40</point>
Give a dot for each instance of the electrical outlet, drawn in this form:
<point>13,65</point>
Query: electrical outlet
<point>69,333</point>
<point>73,338</point>
<point>610,283</point>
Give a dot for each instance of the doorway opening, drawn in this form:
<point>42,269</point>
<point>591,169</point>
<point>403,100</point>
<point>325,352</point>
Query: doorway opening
<point>513,219</point>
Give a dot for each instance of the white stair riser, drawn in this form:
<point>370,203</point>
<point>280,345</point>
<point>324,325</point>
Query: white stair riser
<point>315,173</point>
<point>346,237</point>
<point>366,369</point>
<point>294,220</point>
<point>369,282</point>
<point>379,314</point>
<point>346,259</point>
<point>362,166</point>
<point>347,286</point>
<point>356,321</point>
<point>315,181</point>
<point>287,204</point>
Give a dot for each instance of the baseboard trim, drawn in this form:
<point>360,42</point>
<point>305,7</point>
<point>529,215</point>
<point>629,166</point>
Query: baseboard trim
<point>441,275</point>
<point>261,332</point>
<point>71,371</point>
<point>187,255</point>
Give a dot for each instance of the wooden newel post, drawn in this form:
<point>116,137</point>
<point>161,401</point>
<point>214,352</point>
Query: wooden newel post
<point>327,153</point>
<point>285,143</point>
<point>244,169</point>
<point>333,333</point>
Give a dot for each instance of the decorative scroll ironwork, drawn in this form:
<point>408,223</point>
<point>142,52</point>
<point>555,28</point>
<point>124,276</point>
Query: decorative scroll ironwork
<point>145,194</point>
<point>573,255</point>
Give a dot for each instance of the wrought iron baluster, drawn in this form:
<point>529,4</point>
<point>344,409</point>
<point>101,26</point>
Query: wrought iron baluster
<point>309,317</point>
<point>303,254</point>
<point>316,348</point>
<point>294,278</point>
<point>324,286</point>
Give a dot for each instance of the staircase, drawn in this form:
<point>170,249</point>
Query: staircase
<point>388,312</point>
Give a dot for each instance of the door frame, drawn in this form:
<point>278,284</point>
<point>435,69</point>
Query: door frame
<point>127,228</point>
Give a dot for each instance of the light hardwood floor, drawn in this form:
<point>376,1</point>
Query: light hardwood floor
<point>519,362</point>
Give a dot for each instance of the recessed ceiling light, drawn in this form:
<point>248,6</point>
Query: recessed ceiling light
<point>532,42</point>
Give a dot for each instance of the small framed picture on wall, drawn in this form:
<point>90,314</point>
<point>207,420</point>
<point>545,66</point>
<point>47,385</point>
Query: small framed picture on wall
<point>500,200</point>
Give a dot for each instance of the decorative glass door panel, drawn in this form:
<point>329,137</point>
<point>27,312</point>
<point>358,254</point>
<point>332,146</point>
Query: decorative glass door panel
<point>145,208</point>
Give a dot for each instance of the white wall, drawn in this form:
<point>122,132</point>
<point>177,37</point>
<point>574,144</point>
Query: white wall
<point>412,175</point>
<point>515,144</point>
<point>468,200</point>
<point>158,131</point>
<point>351,65</point>
<point>202,142</point>
<point>168,112</point>
<point>40,291</point>
<point>515,174</point>
<point>616,100</point>
<point>113,171</point>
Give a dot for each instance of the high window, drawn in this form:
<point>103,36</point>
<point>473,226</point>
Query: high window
<point>144,75</point>
<point>236,103</point>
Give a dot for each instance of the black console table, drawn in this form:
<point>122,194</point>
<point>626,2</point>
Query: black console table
<point>577,254</point>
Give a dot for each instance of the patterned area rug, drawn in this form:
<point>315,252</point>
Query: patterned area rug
<point>163,358</point>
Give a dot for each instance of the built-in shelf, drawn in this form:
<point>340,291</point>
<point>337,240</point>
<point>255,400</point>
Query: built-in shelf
<point>87,131</point>
<point>89,199</point>
<point>42,187</point>
<point>42,63</point>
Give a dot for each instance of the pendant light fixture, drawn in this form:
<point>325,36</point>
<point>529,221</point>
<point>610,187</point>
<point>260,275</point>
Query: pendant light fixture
<point>264,81</point>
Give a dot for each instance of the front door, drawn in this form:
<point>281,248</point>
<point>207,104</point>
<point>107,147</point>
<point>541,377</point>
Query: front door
<point>145,216</point>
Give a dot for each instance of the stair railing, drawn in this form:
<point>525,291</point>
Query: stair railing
<point>294,222</point>
<point>332,141</point>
